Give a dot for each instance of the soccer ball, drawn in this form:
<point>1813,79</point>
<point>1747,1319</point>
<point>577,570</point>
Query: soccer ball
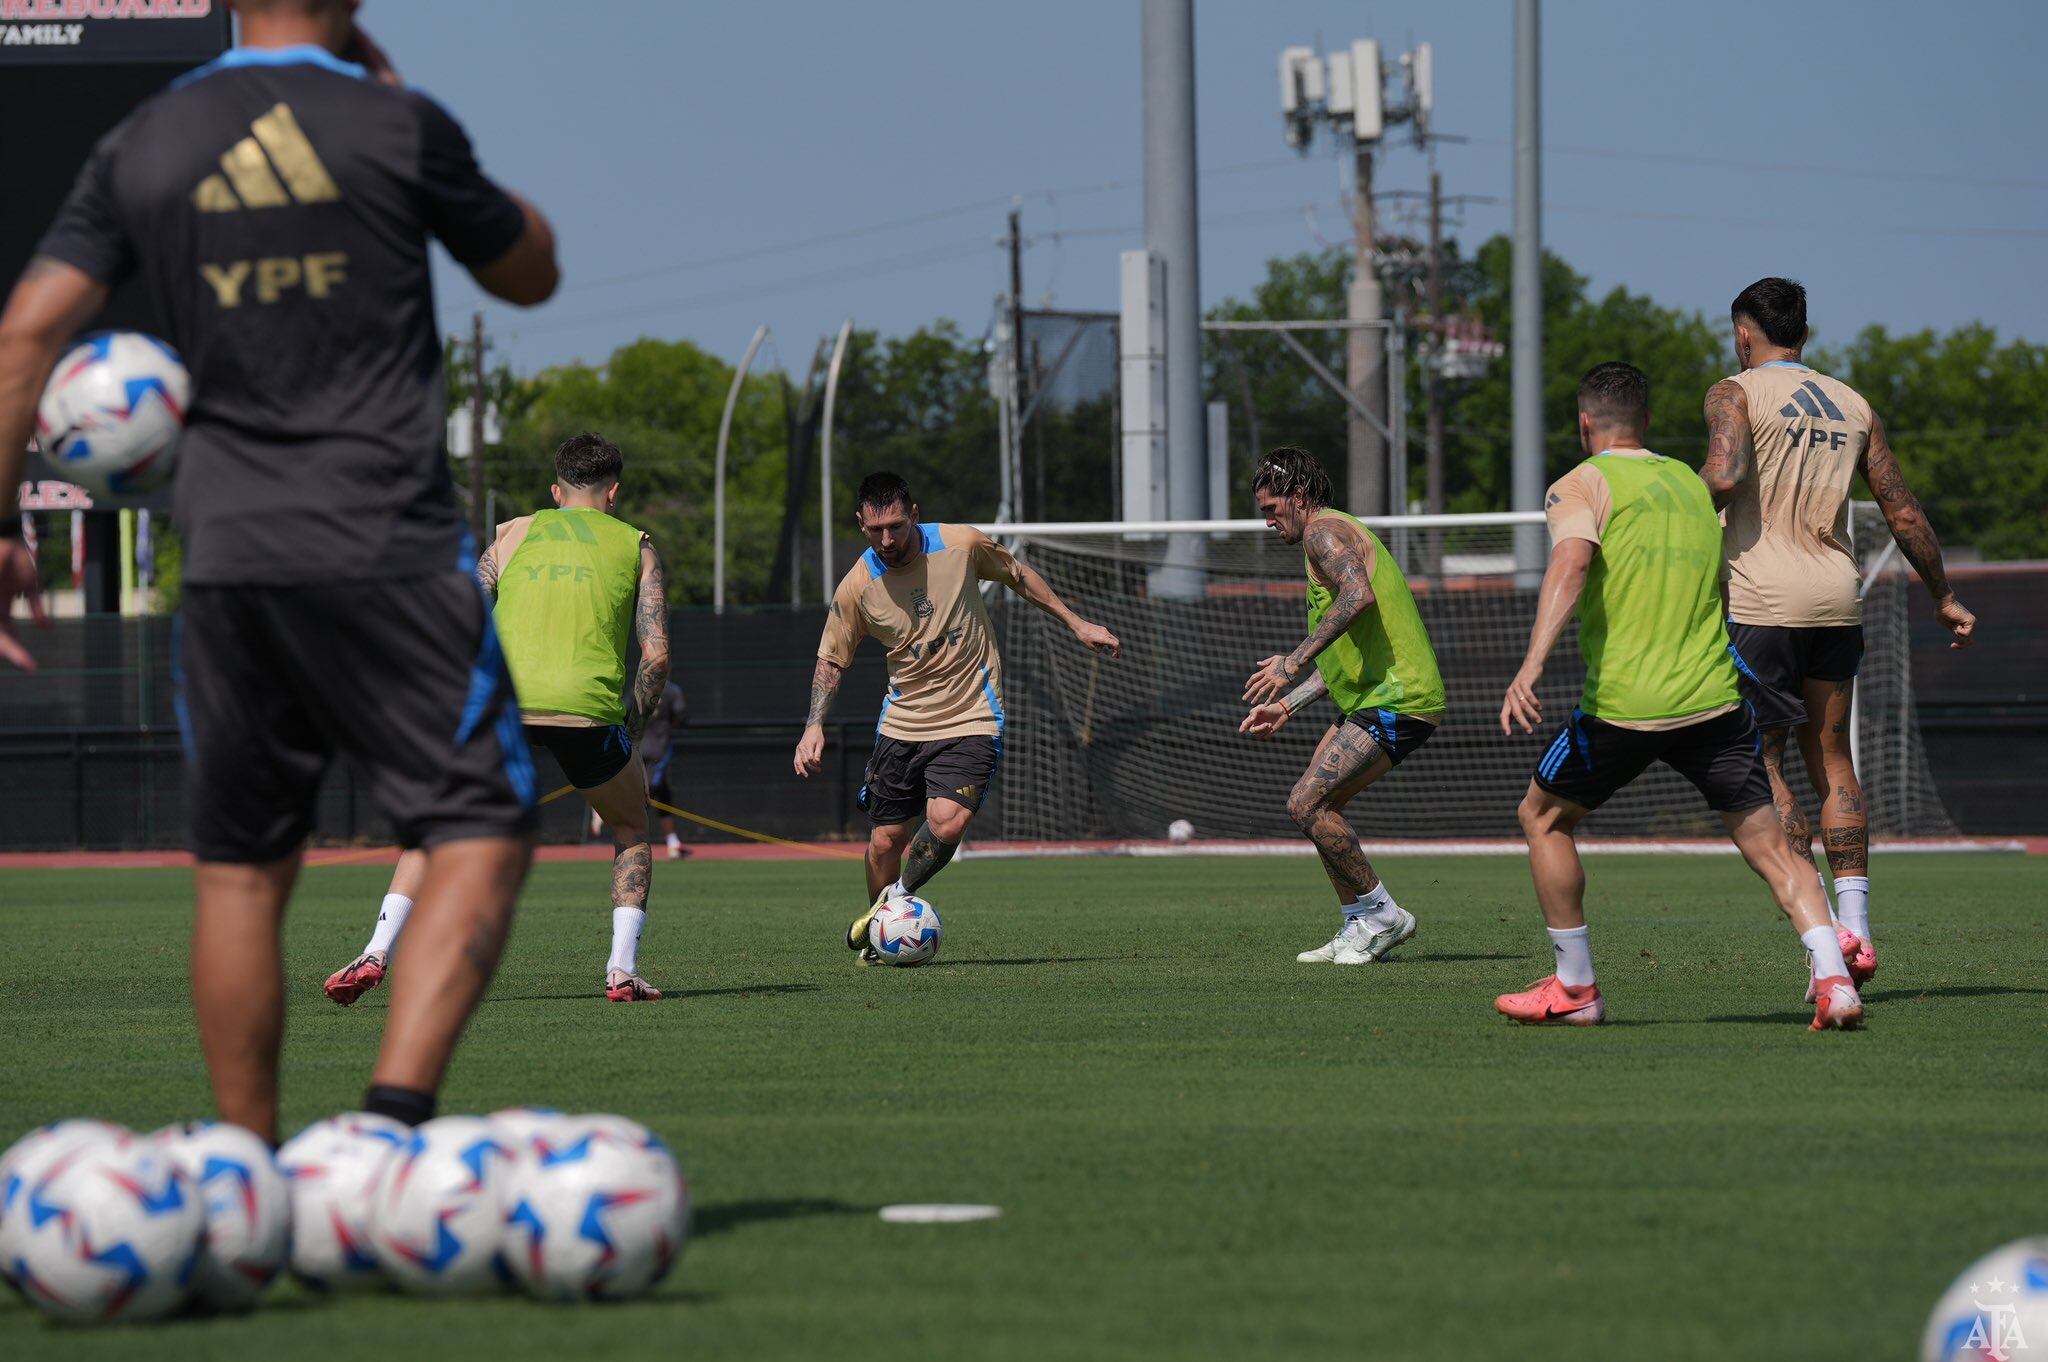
<point>1996,1311</point>
<point>1180,830</point>
<point>437,1212</point>
<point>27,1158</point>
<point>112,412</point>
<point>110,1230</point>
<point>599,1211</point>
<point>247,1204</point>
<point>520,1128</point>
<point>906,931</point>
<point>330,1167</point>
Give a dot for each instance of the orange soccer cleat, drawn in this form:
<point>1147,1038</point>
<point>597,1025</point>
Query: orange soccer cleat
<point>1550,1003</point>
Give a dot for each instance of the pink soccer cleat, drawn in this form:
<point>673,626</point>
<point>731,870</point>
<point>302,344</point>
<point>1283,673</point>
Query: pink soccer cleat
<point>623,986</point>
<point>356,978</point>
<point>1550,1003</point>
<point>1860,955</point>
<point>1836,1005</point>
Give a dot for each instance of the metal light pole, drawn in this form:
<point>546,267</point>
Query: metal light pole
<point>1526,481</point>
<point>732,400</point>
<point>825,463</point>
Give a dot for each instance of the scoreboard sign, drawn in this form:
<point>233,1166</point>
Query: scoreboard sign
<point>175,32</point>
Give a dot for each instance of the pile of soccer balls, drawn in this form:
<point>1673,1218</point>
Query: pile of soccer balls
<point>100,1224</point>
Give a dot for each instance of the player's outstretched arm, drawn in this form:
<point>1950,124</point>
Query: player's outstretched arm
<point>1731,445</point>
<point>1908,524</point>
<point>1340,556</point>
<point>49,305</point>
<point>1026,582</point>
<point>1563,580</point>
<point>650,630</point>
<point>810,749</point>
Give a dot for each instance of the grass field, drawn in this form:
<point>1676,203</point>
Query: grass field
<point>1201,1148</point>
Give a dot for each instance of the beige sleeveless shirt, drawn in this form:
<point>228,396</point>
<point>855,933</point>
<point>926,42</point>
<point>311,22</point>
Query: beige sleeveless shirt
<point>1785,552</point>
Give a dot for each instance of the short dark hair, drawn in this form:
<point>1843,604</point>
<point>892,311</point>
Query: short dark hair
<point>1617,394</point>
<point>880,491</point>
<point>588,460</point>
<point>1776,305</point>
<point>1290,469</point>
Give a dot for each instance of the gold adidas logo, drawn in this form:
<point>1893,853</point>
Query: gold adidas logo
<point>250,178</point>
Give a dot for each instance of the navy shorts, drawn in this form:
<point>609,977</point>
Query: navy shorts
<point>588,756</point>
<point>1776,663</point>
<point>1397,734</point>
<point>903,775</point>
<point>1590,760</point>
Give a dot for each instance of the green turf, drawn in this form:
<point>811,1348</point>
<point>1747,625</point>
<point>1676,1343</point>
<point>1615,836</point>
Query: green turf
<point>1201,1148</point>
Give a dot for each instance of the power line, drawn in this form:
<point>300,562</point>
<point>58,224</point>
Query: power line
<point>1808,168</point>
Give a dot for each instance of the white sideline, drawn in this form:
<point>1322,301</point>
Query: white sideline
<point>1617,846</point>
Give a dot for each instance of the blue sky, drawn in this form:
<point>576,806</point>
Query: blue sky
<point>1886,153</point>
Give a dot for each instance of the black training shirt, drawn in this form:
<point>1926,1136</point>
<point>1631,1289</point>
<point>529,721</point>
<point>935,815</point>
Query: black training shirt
<point>277,205</point>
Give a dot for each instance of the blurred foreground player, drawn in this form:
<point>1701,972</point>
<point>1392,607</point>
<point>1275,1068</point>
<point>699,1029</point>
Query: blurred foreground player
<point>917,591</point>
<point>1783,442</point>
<point>277,204</point>
<point>576,589</point>
<point>1635,548</point>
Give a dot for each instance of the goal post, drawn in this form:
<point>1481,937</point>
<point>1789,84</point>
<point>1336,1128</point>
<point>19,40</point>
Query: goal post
<point>1100,748</point>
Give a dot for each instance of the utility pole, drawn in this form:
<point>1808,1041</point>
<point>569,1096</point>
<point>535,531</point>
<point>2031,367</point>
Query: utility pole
<point>477,345</point>
<point>1364,350</point>
<point>1015,396</point>
<point>1526,386</point>
<point>1433,372</point>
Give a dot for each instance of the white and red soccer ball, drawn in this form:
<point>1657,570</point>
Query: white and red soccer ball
<point>99,1227</point>
<point>331,1167</point>
<point>906,931</point>
<point>598,1210</point>
<point>437,1209</point>
<point>248,1209</point>
<point>112,412</point>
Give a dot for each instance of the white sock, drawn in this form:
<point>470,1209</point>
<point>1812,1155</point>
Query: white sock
<point>390,922</point>
<point>674,841</point>
<point>1825,953</point>
<point>1573,947</point>
<point>1376,910</point>
<point>1852,902</point>
<point>627,924</point>
<point>894,891</point>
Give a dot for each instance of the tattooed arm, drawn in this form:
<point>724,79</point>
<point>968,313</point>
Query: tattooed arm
<point>49,306</point>
<point>1340,555</point>
<point>1908,524</point>
<point>487,570</point>
<point>650,628</point>
<point>1267,719</point>
<point>810,749</point>
<point>1731,446</point>
<point>1563,580</point>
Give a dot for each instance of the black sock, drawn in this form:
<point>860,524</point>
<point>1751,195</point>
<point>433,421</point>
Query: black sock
<point>400,1104</point>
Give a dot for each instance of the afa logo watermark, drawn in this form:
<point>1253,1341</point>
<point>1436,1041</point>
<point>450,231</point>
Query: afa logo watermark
<point>1991,1317</point>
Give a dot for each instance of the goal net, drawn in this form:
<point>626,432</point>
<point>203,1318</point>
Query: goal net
<point>1096,748</point>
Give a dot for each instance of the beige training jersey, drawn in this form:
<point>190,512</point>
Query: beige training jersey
<point>1785,551</point>
<point>945,678</point>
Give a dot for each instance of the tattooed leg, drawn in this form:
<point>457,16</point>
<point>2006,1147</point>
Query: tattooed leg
<point>926,857</point>
<point>1347,761</point>
<point>1824,741</point>
<point>622,803</point>
<point>1791,817</point>
<point>632,873</point>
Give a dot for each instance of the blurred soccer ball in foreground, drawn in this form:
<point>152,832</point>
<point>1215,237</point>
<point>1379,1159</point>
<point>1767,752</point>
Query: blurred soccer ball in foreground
<point>905,931</point>
<point>1996,1311</point>
<point>437,1212</point>
<point>598,1210</point>
<point>331,1166</point>
<point>111,414</point>
<point>247,1205</point>
<point>111,1229</point>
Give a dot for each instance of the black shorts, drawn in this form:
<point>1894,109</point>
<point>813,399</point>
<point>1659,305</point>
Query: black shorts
<point>402,676</point>
<point>1590,759</point>
<point>1397,734</point>
<point>657,777</point>
<point>588,756</point>
<point>902,775</point>
<point>1776,662</point>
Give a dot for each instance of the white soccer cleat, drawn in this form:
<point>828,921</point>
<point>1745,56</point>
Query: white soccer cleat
<point>1358,944</point>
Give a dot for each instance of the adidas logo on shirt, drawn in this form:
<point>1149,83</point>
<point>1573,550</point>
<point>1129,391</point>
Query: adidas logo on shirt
<point>1807,400</point>
<point>272,167</point>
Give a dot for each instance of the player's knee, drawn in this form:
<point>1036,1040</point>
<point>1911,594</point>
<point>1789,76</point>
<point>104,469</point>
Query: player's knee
<point>1538,816</point>
<point>1304,807</point>
<point>888,840</point>
<point>948,821</point>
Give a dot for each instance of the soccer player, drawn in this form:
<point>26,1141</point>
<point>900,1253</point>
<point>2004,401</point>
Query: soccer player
<point>1368,651</point>
<point>277,204</point>
<point>1635,549</point>
<point>1783,442</point>
<point>917,590</point>
<point>575,588</point>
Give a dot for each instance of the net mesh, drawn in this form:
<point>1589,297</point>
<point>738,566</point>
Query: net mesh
<point>1098,748</point>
